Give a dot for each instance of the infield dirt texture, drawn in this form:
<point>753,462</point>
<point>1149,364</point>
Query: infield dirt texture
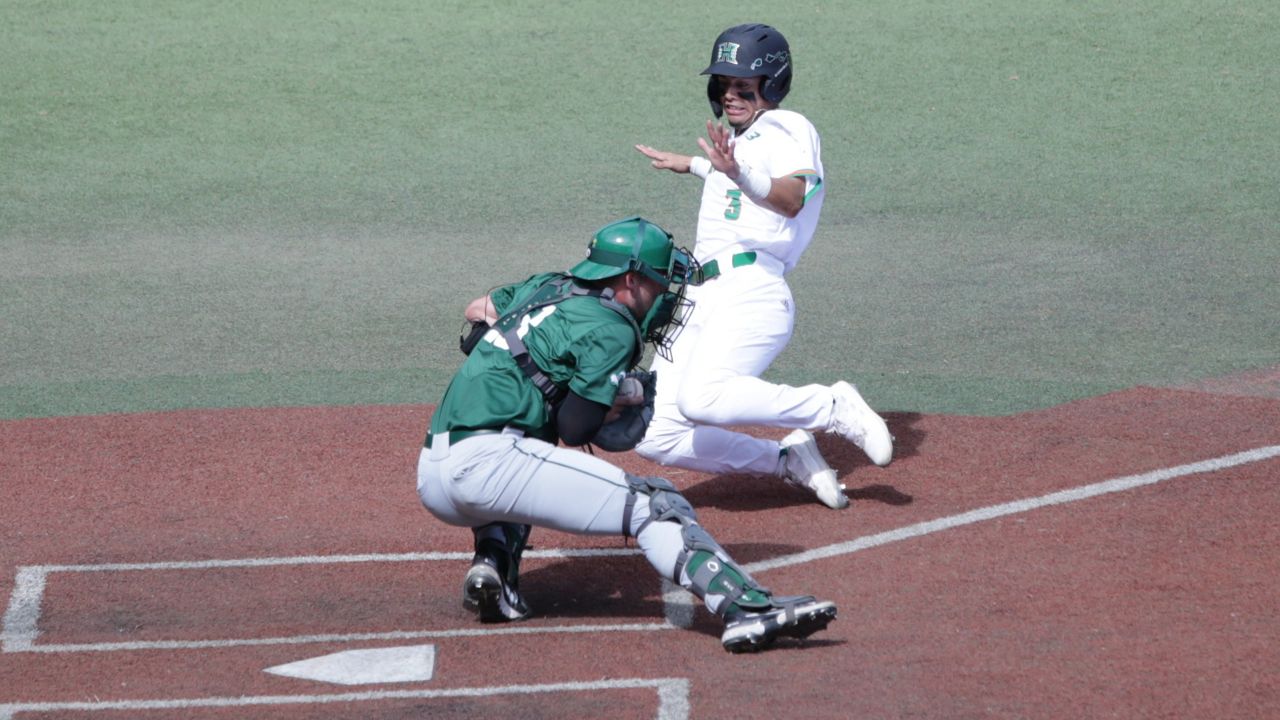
<point>235,242</point>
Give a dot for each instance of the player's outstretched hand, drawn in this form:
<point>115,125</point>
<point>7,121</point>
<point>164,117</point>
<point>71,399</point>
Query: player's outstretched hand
<point>719,149</point>
<point>663,160</point>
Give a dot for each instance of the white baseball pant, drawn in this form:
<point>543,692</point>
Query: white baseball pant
<point>740,322</point>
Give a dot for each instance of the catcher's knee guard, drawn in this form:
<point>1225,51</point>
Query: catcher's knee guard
<point>703,567</point>
<point>665,503</point>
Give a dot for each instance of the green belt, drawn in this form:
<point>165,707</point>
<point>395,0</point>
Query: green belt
<point>711,270</point>
<point>457,436</point>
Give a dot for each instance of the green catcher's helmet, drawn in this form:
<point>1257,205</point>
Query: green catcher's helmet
<point>634,244</point>
<point>637,245</point>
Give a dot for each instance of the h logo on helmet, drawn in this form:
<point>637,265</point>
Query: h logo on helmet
<point>727,52</point>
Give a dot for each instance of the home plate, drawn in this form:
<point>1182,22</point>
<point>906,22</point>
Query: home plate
<point>415,663</point>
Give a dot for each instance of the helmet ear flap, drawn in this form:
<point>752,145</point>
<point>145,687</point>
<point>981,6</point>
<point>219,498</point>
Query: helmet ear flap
<point>776,88</point>
<point>713,95</point>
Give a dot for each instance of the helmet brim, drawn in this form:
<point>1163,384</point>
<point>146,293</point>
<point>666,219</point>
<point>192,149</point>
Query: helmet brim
<point>731,70</point>
<point>590,270</point>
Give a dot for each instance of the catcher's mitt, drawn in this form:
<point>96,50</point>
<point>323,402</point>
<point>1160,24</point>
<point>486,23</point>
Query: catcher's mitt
<point>627,430</point>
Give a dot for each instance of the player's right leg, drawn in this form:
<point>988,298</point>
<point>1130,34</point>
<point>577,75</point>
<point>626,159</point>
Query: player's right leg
<point>713,380</point>
<point>803,466</point>
<point>500,485</point>
<point>854,420</point>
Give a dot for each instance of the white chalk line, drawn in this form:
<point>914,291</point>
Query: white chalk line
<point>21,620</point>
<point>1063,497</point>
<point>673,693</point>
<point>326,560</point>
<point>53,648</point>
<point>673,697</point>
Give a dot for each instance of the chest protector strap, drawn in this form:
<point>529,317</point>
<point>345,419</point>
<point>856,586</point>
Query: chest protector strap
<point>554,291</point>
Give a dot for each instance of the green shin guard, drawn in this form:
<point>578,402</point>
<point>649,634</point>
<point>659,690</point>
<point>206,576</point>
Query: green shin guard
<point>720,583</point>
<point>703,567</point>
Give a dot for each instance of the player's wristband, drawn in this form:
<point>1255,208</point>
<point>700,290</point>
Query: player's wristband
<point>700,166</point>
<point>754,183</point>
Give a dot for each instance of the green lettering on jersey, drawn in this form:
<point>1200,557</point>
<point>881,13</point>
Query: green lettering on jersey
<point>734,211</point>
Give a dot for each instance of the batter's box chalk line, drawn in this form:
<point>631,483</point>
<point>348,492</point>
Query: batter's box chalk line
<point>673,698</point>
<point>21,620</point>
<point>20,629</point>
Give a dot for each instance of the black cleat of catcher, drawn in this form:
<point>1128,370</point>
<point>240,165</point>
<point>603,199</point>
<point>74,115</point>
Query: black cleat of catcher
<point>484,592</point>
<point>794,617</point>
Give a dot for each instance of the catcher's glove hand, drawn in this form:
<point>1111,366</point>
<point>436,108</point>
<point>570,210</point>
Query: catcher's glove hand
<point>627,430</point>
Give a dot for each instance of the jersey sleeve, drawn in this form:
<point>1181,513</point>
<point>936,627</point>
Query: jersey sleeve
<point>794,149</point>
<point>503,296</point>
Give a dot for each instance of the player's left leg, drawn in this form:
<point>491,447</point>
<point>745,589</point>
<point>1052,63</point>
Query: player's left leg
<point>500,485</point>
<point>492,585</point>
<point>666,528</point>
<point>712,380</point>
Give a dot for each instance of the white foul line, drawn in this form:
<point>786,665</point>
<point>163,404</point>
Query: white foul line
<point>673,697</point>
<point>21,619</point>
<point>1083,492</point>
<point>673,693</point>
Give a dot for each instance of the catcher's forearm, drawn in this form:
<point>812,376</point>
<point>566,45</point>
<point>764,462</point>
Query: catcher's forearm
<point>578,419</point>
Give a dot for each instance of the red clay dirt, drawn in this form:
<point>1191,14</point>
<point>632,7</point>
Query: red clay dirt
<point>1153,602</point>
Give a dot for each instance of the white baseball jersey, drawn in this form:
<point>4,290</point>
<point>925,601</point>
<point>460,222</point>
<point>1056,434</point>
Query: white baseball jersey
<point>780,143</point>
<point>742,318</point>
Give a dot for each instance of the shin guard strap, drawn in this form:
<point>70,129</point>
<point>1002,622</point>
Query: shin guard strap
<point>732,588</point>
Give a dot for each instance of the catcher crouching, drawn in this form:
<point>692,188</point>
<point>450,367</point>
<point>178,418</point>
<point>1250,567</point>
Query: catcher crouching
<point>551,362</point>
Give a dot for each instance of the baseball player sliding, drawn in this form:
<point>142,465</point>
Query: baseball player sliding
<point>761,198</point>
<point>545,363</point>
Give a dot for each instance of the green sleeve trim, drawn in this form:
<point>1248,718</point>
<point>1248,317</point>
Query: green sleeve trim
<point>817,185</point>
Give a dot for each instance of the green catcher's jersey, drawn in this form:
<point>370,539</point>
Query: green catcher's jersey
<point>578,342</point>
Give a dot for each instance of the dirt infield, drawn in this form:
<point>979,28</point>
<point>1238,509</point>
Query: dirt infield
<point>1112,557</point>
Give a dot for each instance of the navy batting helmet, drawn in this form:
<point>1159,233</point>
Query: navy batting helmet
<point>749,51</point>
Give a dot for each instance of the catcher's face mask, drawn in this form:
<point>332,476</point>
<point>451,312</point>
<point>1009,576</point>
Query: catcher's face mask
<point>666,317</point>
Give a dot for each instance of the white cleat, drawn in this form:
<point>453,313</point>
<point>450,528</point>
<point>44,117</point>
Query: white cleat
<point>804,467</point>
<point>854,420</point>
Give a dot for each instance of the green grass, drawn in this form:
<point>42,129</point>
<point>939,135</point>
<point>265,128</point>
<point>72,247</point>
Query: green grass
<point>238,204</point>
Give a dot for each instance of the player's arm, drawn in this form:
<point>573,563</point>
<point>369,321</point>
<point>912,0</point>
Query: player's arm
<point>578,419</point>
<point>481,315</point>
<point>786,195</point>
<point>663,160</point>
<point>783,195</point>
<point>600,387</point>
